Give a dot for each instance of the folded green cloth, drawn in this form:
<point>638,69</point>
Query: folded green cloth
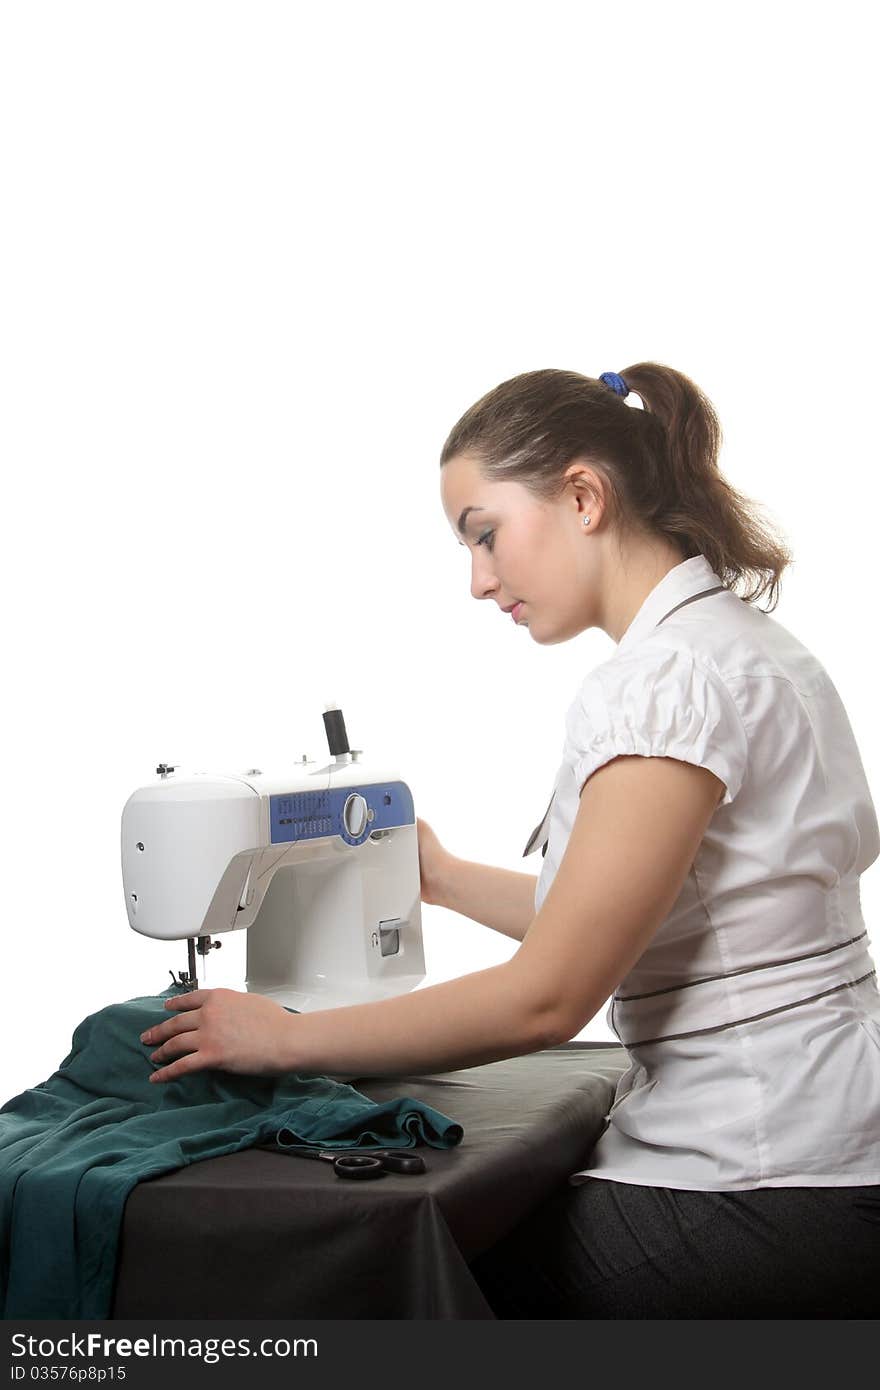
<point>72,1149</point>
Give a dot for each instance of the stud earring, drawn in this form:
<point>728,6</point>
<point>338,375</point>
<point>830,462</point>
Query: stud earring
<point>586,521</point>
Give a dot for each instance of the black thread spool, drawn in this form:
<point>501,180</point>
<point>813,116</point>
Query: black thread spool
<point>334,727</point>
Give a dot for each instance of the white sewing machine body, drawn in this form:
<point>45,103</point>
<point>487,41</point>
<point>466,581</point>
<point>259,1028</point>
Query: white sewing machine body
<point>319,864</point>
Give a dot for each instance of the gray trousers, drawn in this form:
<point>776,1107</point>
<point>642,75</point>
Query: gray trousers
<point>616,1250</point>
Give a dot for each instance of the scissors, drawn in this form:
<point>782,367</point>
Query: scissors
<point>365,1165</point>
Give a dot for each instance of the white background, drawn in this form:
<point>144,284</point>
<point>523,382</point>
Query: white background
<point>257,260</point>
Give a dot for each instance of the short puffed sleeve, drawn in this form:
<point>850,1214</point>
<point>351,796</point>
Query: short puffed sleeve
<point>660,703</point>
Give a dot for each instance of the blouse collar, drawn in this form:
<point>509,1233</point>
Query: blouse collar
<point>681,582</point>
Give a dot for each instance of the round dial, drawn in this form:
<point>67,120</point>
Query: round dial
<point>354,815</point>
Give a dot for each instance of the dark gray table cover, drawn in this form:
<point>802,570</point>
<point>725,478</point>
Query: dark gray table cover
<point>261,1234</point>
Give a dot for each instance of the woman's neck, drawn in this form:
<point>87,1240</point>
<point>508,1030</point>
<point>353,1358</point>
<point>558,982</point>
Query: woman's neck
<point>638,570</point>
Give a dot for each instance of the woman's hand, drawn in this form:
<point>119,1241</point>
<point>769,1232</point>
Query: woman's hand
<point>434,861</point>
<point>224,1029</point>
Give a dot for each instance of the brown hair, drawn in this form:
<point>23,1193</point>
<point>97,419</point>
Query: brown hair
<point>660,463</point>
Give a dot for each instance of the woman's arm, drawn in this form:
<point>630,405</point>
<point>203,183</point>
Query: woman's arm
<point>635,836</point>
<point>478,1018</point>
<point>498,898</point>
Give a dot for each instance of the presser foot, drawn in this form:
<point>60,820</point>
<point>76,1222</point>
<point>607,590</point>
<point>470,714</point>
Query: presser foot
<point>182,980</point>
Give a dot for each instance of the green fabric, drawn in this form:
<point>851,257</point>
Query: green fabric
<point>72,1149</point>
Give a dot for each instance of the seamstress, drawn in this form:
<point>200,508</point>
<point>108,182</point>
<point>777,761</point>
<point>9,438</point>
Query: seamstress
<point>702,853</point>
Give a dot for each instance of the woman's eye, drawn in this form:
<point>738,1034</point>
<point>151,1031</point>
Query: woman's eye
<point>484,540</point>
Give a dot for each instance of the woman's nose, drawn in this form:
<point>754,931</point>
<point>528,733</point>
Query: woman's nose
<point>483,581</point>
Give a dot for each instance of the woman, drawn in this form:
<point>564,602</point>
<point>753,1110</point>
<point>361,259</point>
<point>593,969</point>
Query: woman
<point>703,848</point>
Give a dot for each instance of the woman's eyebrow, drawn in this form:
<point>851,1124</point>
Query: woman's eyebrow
<point>463,518</point>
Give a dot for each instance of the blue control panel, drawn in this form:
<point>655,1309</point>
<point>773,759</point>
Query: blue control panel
<point>315,815</point>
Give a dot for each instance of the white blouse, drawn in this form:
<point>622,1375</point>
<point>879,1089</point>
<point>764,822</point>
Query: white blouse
<point>752,1020</point>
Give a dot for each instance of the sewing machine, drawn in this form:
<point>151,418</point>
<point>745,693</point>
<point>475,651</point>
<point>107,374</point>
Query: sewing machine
<point>319,864</point>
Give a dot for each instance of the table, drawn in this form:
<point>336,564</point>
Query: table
<point>260,1234</point>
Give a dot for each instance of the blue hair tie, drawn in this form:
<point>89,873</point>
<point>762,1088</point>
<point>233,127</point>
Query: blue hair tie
<point>616,383</point>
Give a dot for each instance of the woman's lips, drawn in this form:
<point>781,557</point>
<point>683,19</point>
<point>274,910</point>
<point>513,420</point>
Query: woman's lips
<point>515,611</point>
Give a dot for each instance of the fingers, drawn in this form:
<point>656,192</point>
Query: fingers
<point>187,1041</point>
<point>179,1037</point>
<point>194,999</point>
<point>193,1061</point>
<point>161,1031</point>
<point>185,1004</point>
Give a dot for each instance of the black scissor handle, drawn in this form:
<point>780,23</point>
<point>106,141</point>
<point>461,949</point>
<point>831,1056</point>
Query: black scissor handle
<point>358,1166</point>
<point>397,1162</point>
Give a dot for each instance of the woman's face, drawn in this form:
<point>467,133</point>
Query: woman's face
<point>524,550</point>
